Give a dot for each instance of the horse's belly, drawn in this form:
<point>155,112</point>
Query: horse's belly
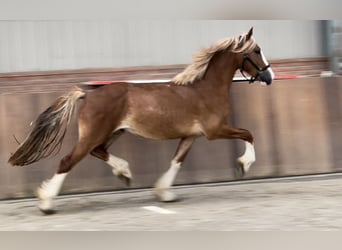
<point>162,130</point>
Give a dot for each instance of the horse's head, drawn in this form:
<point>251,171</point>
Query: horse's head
<point>251,60</point>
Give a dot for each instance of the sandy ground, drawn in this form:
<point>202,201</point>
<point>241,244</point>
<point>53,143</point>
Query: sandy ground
<point>308,203</point>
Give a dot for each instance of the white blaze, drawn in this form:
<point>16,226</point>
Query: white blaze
<point>266,63</point>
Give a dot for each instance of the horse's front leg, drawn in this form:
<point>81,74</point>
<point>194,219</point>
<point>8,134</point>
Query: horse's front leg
<point>162,186</point>
<point>248,158</point>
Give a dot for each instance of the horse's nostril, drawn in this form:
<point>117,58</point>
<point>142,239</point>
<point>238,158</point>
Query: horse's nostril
<point>266,77</point>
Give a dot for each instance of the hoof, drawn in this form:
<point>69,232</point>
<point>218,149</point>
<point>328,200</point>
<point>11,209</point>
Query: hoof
<point>125,179</point>
<point>239,170</point>
<point>45,204</point>
<point>166,196</point>
<point>48,211</point>
<point>124,174</point>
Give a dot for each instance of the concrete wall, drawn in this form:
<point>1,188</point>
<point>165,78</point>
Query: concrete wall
<point>56,45</point>
<point>297,126</point>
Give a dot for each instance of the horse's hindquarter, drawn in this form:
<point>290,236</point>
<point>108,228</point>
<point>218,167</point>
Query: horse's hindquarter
<point>162,111</point>
<point>103,109</point>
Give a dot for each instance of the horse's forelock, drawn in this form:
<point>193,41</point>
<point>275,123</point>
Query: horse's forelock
<point>245,45</point>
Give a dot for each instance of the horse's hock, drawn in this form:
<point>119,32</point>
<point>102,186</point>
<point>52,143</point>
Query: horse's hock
<point>297,125</point>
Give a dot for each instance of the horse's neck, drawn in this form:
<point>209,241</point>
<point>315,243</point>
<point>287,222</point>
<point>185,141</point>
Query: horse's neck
<point>220,71</point>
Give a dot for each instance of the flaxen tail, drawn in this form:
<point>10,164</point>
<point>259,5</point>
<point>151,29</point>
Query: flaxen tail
<point>48,130</point>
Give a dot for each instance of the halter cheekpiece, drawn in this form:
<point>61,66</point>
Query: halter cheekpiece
<point>259,70</point>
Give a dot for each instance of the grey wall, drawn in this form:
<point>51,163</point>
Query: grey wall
<point>54,45</point>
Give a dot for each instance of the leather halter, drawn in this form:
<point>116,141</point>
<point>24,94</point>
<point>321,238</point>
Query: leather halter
<point>259,70</point>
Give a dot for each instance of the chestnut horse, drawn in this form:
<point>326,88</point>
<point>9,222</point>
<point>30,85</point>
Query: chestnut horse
<point>195,103</point>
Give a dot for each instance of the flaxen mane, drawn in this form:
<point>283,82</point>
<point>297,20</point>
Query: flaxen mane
<point>196,70</point>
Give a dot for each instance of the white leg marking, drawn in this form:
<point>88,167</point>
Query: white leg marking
<point>49,190</point>
<point>159,210</point>
<point>119,166</point>
<point>166,181</point>
<point>248,158</point>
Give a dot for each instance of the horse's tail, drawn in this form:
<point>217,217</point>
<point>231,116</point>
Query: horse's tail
<point>48,130</point>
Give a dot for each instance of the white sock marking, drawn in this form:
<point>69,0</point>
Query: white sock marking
<point>167,179</point>
<point>120,166</point>
<point>248,158</point>
<point>51,188</point>
<point>159,210</point>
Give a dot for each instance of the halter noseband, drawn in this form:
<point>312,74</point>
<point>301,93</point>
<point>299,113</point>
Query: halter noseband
<point>259,70</point>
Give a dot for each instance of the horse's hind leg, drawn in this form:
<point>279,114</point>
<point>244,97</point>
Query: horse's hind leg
<point>119,166</point>
<point>50,188</point>
<point>164,183</point>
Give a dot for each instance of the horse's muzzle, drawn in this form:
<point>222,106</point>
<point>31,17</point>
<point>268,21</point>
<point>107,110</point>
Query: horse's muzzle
<point>266,76</point>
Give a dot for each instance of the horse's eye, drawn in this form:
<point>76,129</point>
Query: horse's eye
<point>257,51</point>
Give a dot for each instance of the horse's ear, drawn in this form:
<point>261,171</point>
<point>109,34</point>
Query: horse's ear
<point>249,34</point>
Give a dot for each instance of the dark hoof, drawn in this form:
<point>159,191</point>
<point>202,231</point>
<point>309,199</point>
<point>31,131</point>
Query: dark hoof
<point>48,211</point>
<point>170,201</point>
<point>166,196</point>
<point>239,171</point>
<point>125,179</point>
